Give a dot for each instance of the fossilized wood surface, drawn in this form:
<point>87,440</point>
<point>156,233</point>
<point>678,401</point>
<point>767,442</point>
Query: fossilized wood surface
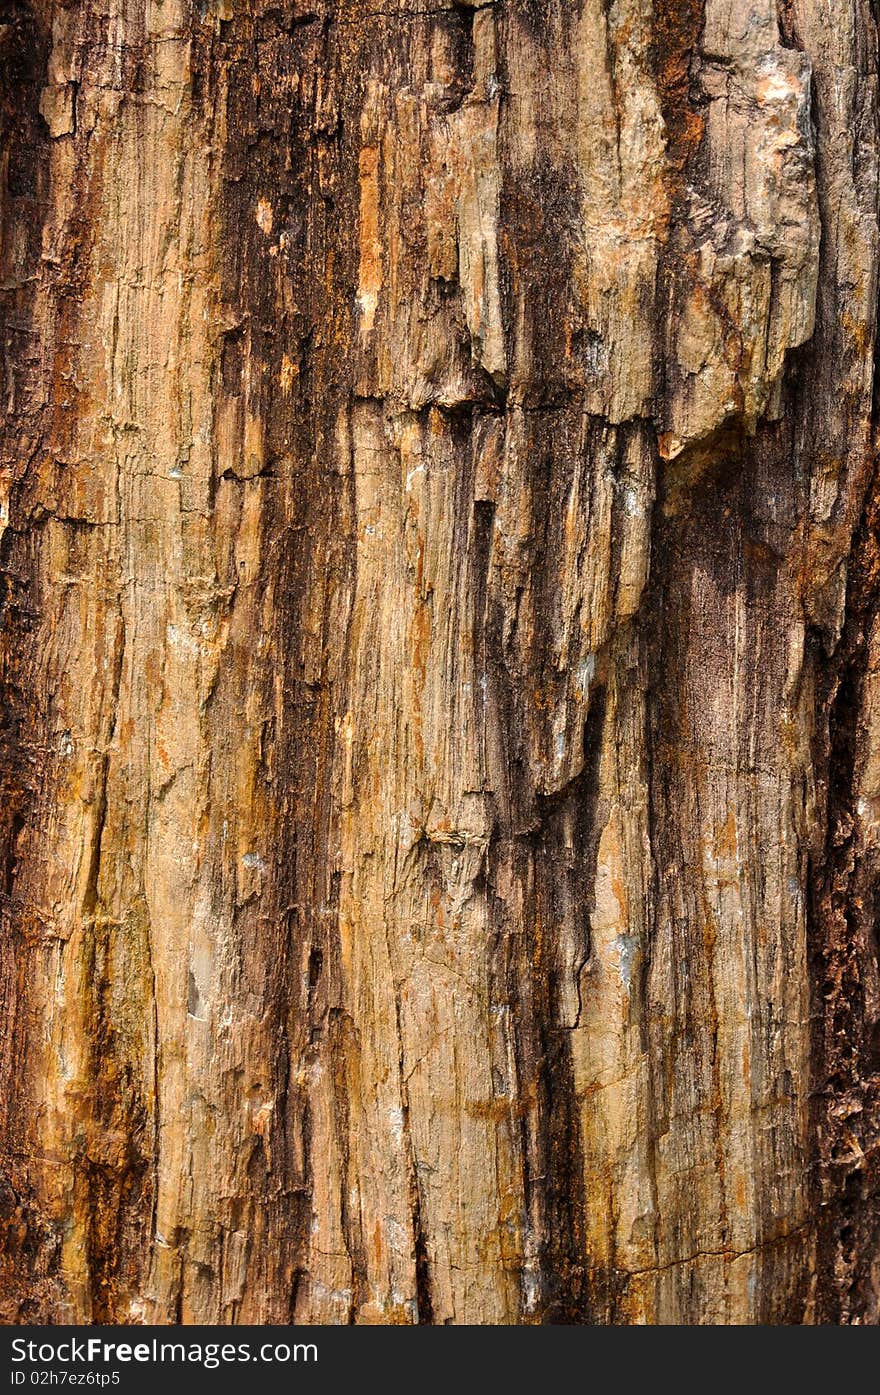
<point>440,661</point>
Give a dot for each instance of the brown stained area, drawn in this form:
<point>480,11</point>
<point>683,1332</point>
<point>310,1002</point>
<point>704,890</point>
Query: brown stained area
<point>676,31</point>
<point>845,959</point>
<point>30,1242</point>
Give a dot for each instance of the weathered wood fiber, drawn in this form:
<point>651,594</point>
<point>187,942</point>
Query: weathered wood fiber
<point>440,659</point>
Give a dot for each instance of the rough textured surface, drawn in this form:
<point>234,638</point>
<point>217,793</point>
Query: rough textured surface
<point>440,661</point>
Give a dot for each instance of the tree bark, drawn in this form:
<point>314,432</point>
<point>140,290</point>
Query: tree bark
<point>440,661</point>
